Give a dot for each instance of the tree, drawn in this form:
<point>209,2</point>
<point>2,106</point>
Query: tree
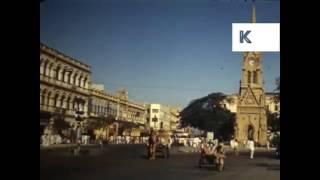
<point>277,97</point>
<point>59,123</point>
<point>209,114</point>
<point>273,121</point>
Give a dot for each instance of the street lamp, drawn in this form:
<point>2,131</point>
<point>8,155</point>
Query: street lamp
<point>78,117</point>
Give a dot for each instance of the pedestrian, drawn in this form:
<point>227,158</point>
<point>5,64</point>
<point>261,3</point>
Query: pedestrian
<point>220,156</point>
<point>268,145</point>
<point>236,147</point>
<point>232,143</point>
<point>101,142</point>
<point>152,145</point>
<point>250,145</point>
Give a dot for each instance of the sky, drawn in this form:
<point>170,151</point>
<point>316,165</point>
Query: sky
<point>160,51</point>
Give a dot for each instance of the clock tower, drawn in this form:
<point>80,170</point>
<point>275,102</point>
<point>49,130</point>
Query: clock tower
<point>251,121</point>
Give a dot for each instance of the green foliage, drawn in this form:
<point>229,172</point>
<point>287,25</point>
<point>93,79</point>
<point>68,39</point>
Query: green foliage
<point>276,140</point>
<point>277,98</point>
<point>273,121</point>
<point>208,113</point>
<point>59,122</point>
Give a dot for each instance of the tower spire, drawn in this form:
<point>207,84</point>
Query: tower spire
<point>253,20</point>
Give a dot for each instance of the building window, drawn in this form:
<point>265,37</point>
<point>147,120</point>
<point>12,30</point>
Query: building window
<point>276,108</point>
<point>255,77</point>
<point>56,100</point>
<point>155,110</point>
<point>57,72</point>
<point>249,77</point>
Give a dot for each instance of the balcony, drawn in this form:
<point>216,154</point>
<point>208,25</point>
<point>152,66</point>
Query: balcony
<point>52,109</point>
<point>62,84</point>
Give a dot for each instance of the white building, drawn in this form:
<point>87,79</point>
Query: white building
<point>161,116</point>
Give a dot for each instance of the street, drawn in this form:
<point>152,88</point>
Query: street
<point>129,162</point>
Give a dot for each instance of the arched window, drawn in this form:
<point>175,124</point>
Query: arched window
<point>57,72</point>
<point>85,82</point>
<point>64,72</point>
<point>62,101</point>
<point>41,66</point>
<point>249,77</point>
<point>68,103</point>
<point>50,74</point>
<point>74,106</point>
<point>48,103</point>
<point>55,102</point>
<point>43,97</point>
<point>255,77</point>
<point>70,76</point>
<point>75,79</point>
<point>45,68</point>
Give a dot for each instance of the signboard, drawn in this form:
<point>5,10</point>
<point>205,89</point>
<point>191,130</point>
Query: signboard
<point>210,135</point>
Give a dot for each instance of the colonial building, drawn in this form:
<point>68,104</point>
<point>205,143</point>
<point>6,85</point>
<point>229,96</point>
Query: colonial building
<point>66,89</point>
<point>162,117</point>
<point>64,86</point>
<point>126,114</point>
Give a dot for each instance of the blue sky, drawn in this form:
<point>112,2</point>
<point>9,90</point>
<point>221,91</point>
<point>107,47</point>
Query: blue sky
<point>159,50</point>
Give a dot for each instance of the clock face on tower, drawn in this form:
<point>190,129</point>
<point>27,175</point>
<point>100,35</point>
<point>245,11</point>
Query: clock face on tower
<point>251,62</point>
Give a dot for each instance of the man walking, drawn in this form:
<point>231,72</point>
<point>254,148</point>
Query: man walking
<point>250,145</point>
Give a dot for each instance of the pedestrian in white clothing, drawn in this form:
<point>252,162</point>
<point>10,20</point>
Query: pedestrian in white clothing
<point>250,145</point>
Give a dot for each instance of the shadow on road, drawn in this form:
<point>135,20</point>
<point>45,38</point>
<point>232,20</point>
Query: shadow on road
<point>269,166</point>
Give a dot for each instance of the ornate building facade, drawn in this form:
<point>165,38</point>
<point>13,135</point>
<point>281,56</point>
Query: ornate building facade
<point>66,89</point>
<point>64,86</point>
<point>126,114</point>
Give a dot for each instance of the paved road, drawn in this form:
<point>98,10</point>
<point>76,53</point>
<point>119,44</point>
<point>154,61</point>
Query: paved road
<point>128,162</point>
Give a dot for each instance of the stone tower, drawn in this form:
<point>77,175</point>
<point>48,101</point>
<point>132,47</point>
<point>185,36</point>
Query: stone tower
<point>251,121</point>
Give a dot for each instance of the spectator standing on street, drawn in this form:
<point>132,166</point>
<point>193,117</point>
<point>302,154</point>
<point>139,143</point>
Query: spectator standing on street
<point>268,145</point>
<point>232,143</point>
<point>236,147</point>
<point>152,145</point>
<point>250,145</point>
<point>220,156</point>
<point>100,142</point>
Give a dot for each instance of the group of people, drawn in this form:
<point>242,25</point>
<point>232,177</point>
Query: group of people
<point>127,140</point>
<point>47,140</point>
<point>51,139</point>
<point>234,144</point>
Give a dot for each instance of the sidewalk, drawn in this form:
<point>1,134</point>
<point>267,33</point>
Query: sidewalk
<point>63,146</point>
